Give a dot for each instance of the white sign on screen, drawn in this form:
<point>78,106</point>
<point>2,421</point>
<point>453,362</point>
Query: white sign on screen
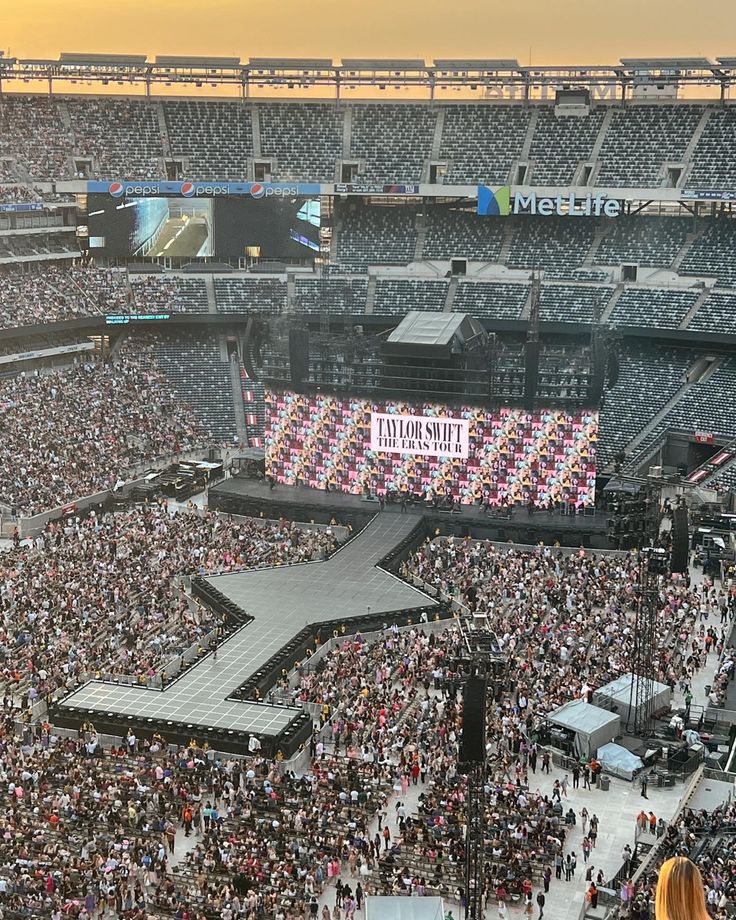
<point>429,436</point>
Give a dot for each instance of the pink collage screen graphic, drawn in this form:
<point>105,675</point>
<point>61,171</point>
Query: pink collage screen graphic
<point>513,455</point>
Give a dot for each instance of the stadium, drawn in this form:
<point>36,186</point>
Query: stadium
<point>368,439</point>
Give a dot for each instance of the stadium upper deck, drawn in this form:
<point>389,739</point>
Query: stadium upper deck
<point>644,144</point>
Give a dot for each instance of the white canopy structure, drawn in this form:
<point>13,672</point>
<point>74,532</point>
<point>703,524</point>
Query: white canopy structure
<point>616,696</point>
<point>404,908</point>
<point>591,726</point>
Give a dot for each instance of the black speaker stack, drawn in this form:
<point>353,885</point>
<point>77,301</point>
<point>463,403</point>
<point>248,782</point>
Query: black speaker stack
<point>473,740</point>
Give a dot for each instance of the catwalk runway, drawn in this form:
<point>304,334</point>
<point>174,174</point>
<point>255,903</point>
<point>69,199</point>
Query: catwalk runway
<point>283,601</point>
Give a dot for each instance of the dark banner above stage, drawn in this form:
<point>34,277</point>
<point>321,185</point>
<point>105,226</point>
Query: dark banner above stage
<point>509,455</point>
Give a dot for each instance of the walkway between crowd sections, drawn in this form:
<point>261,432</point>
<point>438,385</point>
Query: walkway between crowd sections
<point>617,810</point>
<point>704,676</point>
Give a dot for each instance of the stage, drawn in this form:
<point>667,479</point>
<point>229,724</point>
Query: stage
<point>291,607</point>
<point>213,699</point>
<point>254,498</point>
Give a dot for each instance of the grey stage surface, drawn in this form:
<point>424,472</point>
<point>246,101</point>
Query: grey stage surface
<point>282,600</point>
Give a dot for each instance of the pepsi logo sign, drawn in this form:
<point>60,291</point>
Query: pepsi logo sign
<point>187,189</point>
<point>116,189</point>
<point>257,190</point>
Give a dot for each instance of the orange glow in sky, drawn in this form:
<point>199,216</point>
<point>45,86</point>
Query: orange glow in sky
<point>532,31</point>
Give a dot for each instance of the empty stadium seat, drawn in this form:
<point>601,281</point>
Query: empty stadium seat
<point>640,139</point>
<point>376,236</point>
<point>398,297</point>
<point>481,142</point>
<point>647,241</point>
<point>463,234</point>
<point>392,142</point>
<point>561,144</point>
<point>332,295</point>
<point>653,307</point>
<point>647,379</point>
<point>489,300</point>
<point>303,139</point>
<point>215,137</point>
<point>250,295</point>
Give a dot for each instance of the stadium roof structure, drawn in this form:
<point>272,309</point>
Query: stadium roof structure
<point>108,60</point>
<point>475,65</point>
<point>383,65</point>
<point>367,73</point>
<point>175,62</point>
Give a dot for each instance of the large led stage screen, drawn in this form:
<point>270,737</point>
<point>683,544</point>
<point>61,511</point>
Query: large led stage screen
<point>226,227</point>
<point>500,455</point>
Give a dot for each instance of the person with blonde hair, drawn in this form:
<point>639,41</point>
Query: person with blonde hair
<point>680,891</point>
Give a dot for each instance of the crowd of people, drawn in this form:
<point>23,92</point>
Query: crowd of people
<point>394,703</point>
<point>99,595</point>
<point>19,194</point>
<point>77,431</point>
<point>59,293</point>
<point>34,140</point>
<point>706,838</point>
<point>79,289</point>
<point>89,833</point>
<point>567,618</point>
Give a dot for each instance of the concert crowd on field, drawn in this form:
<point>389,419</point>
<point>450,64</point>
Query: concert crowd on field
<point>75,432</point>
<point>88,833</point>
<point>98,595</point>
<point>567,617</point>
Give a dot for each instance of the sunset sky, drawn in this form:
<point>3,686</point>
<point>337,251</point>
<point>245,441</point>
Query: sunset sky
<point>540,31</point>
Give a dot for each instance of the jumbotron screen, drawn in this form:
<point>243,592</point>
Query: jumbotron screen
<point>463,452</point>
<point>227,227</point>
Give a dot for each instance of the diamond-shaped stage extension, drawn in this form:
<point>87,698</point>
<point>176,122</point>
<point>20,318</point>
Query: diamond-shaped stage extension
<point>282,601</point>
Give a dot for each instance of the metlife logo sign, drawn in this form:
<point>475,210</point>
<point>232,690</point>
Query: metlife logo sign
<point>499,202</point>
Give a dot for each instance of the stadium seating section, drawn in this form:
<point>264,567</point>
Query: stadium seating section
<point>651,242</point>
<point>391,142</point>
<point>398,297</point>
<point>647,379</point>
<point>476,142</point>
<point>556,244</point>
<point>122,138</point>
<point>461,234</point>
<point>303,141</point>
<point>713,253</point>
<point>334,295</point>
<point>561,145</point>
<point>702,408</point>
<point>572,303</point>
<point>175,294</point>
<point>480,143</point>
<point>216,139</point>
<point>251,295</point>
<point>651,307</point>
<point>376,236</point>
<point>641,139</point>
<point>187,360</point>
<point>717,314</point>
<point>490,300</point>
<point>713,162</point>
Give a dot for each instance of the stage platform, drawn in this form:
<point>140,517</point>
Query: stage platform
<point>252,497</point>
<point>282,601</point>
